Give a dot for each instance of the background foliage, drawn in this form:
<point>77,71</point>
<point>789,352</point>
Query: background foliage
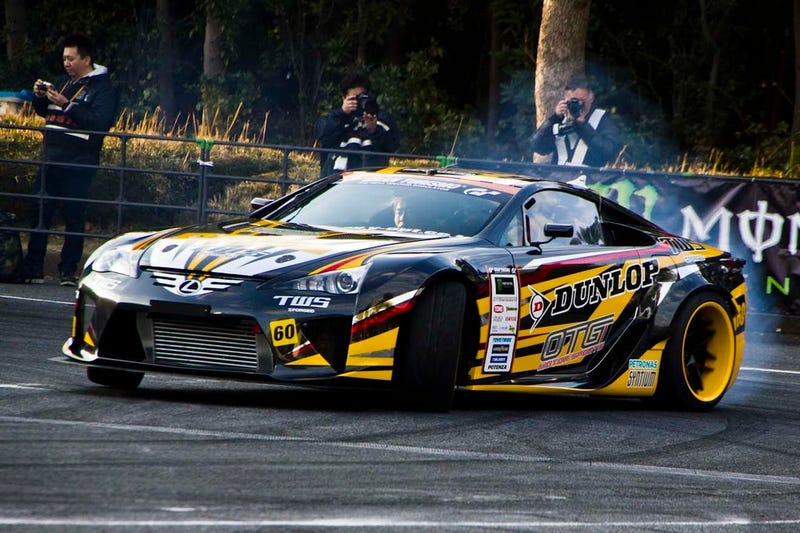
<point>687,79</point>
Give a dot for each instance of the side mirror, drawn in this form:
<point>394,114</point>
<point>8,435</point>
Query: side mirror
<point>558,230</point>
<point>552,231</point>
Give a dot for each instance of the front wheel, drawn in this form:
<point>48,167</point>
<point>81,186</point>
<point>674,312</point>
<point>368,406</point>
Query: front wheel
<point>699,359</point>
<point>426,365</point>
<point>116,379</point>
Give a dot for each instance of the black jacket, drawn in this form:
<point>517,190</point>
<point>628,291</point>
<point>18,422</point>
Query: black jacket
<point>92,107</point>
<point>346,132</point>
<point>603,143</point>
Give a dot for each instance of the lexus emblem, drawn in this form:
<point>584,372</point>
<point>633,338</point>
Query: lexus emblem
<point>190,286</point>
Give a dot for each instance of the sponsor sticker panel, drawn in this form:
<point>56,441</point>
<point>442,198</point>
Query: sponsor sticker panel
<point>503,322</point>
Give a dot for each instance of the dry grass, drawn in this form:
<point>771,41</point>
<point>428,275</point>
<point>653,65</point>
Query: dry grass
<point>263,165</point>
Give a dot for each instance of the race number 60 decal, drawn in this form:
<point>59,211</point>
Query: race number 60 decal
<point>283,332</point>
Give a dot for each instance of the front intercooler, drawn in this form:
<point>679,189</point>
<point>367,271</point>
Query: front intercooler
<point>196,344</point>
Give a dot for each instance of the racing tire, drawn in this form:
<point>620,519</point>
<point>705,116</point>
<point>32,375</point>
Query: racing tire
<point>116,379</point>
<point>699,359</point>
<point>425,368</point>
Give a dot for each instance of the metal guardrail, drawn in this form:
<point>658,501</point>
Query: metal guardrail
<point>203,173</point>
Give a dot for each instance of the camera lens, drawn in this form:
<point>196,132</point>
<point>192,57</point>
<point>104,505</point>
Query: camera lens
<point>368,104</point>
<point>575,106</point>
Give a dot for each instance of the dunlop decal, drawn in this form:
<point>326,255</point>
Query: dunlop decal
<point>614,282</point>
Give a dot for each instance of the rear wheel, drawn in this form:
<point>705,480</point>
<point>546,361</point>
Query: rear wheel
<point>116,379</point>
<point>426,365</point>
<point>699,359</point>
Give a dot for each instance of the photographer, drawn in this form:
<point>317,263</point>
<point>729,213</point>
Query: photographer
<point>578,133</point>
<point>360,125</point>
<point>84,99</point>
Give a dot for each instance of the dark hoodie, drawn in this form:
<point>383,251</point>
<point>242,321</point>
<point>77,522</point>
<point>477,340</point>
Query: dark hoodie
<point>92,107</point>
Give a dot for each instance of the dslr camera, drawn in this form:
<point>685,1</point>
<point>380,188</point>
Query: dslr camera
<point>43,86</point>
<point>367,104</point>
<point>575,107</point>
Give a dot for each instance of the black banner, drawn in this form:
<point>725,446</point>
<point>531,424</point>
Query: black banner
<point>756,219</point>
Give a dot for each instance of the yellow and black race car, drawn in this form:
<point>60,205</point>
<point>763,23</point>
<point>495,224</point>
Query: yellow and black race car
<point>423,281</point>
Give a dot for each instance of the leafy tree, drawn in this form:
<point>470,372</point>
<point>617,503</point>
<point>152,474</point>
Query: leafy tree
<point>167,55</point>
<point>691,77</point>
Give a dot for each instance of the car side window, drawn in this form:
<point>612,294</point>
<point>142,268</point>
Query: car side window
<point>560,207</point>
<point>514,234</point>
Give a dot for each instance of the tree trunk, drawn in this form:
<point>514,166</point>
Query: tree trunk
<point>16,29</point>
<point>561,53</point>
<point>493,96</point>
<point>396,35</point>
<point>796,27</point>
<point>166,60</point>
<point>213,66</point>
<point>709,112</point>
<point>361,24</point>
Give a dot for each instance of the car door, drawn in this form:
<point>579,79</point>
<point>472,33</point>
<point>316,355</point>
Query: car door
<point>576,294</point>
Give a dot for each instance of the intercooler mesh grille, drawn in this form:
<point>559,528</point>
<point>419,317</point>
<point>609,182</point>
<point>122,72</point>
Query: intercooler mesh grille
<point>206,345</point>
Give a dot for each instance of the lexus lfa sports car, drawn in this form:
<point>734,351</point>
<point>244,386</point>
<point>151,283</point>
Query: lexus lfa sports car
<point>423,282</point>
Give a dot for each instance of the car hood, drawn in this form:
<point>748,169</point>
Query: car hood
<point>256,249</point>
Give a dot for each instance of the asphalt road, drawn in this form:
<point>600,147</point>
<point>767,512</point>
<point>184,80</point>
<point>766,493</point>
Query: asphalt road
<point>206,455</point>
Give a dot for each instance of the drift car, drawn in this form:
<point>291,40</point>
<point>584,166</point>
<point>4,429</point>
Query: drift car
<point>424,281</point>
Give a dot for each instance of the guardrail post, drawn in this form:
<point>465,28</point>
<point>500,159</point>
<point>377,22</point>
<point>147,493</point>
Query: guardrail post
<point>205,163</point>
<point>42,182</point>
<point>284,181</point>
<point>446,160</point>
<point>121,190</point>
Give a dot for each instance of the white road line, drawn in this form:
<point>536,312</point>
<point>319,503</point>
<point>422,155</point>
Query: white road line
<point>392,522</point>
<point>24,386</point>
<point>771,370</point>
<point>154,429</point>
<point>38,300</point>
<point>418,450</point>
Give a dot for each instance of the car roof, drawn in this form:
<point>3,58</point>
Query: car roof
<point>512,184</point>
<point>506,182</point>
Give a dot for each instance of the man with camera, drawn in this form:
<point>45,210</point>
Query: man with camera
<point>82,100</point>
<point>578,133</point>
<point>360,128</point>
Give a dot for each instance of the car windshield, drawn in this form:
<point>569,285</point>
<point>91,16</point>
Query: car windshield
<point>397,203</point>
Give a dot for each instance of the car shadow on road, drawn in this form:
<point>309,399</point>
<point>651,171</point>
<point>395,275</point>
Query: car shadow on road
<point>323,399</point>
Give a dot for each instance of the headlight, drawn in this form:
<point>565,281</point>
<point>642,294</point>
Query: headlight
<point>338,282</point>
<point>117,255</point>
<point>122,260</point>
